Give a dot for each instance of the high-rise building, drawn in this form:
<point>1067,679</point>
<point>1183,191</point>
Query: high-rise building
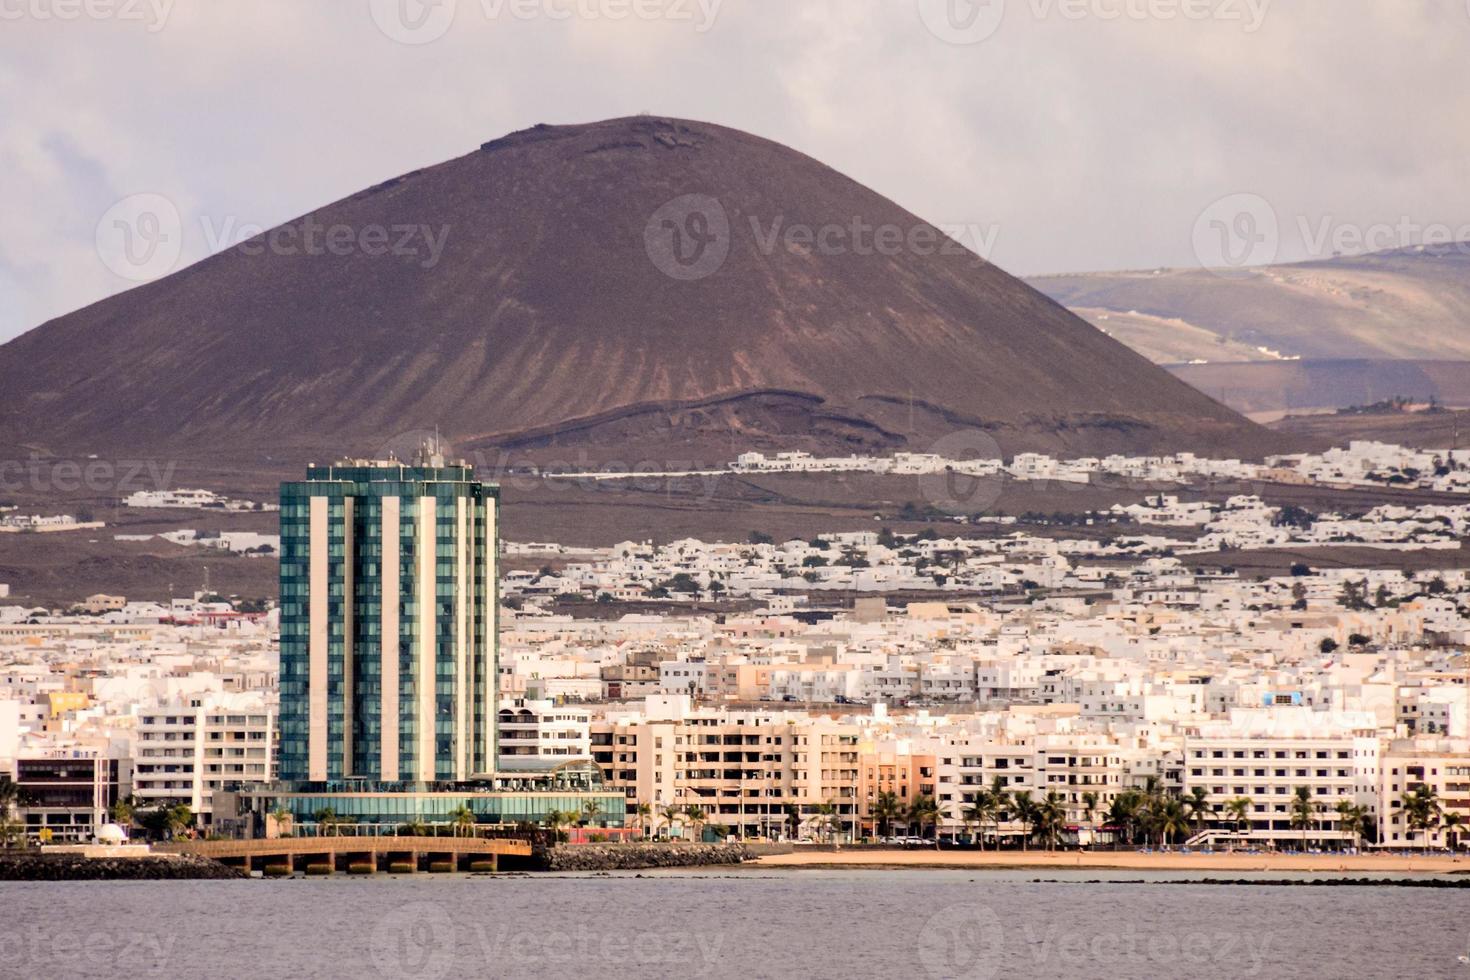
<point>389,640</point>
<point>388,623</point>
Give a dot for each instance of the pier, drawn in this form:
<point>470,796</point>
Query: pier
<point>361,855</point>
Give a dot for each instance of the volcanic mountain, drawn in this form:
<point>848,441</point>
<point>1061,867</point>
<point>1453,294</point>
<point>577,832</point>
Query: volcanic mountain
<point>620,287</point>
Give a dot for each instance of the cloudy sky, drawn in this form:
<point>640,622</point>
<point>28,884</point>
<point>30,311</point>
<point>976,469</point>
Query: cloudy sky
<point>1064,135</point>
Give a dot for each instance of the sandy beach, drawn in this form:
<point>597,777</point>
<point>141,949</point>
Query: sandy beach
<point>1116,860</point>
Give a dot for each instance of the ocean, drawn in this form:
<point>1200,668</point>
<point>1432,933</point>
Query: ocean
<point>747,922</point>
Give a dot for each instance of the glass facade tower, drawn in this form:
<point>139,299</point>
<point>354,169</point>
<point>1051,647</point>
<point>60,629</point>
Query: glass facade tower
<point>389,600</point>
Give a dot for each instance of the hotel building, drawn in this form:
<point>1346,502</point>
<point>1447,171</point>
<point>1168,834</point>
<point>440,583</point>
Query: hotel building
<point>1265,757</point>
<point>389,642</point>
<point>388,624</point>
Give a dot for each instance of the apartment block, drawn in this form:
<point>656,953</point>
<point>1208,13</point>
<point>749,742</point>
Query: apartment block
<point>186,752</point>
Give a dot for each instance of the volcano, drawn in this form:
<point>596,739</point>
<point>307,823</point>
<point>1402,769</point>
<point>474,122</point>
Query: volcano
<point>616,287</point>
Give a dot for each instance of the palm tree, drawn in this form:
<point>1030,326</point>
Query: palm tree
<point>791,818</point>
<point>557,819</point>
<point>463,818</point>
<point>1303,812</point>
<point>672,814</point>
<point>998,802</point>
<point>177,818</point>
<point>826,821</point>
<point>1200,807</point>
<point>1452,823</point>
<point>326,819</point>
<point>923,810</point>
<point>1025,811</point>
<point>696,816</point>
<point>886,809</point>
<point>942,812</point>
<point>1089,812</point>
<point>1351,819</point>
<point>1422,810</point>
<point>1050,815</point>
<point>591,810</point>
<point>1169,818</point>
<point>974,815</point>
<point>122,812</point>
<point>9,795</point>
<point>990,805</point>
<point>1123,814</point>
<point>641,813</point>
<point>282,817</point>
<point>1239,810</point>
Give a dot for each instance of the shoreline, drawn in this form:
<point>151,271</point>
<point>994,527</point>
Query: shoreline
<point>40,866</point>
<point>859,859</point>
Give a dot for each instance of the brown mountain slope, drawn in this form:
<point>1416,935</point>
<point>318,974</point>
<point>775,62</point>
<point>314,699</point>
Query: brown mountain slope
<point>548,321</point>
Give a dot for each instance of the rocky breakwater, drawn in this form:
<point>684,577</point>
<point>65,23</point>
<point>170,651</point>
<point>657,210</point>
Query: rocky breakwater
<point>637,857</point>
<point>39,866</point>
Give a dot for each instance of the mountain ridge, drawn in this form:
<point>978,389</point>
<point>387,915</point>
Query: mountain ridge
<point>558,314</point>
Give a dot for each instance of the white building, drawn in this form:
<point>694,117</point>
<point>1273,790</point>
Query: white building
<point>189,749</point>
<point>533,734</point>
<point>1265,754</point>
